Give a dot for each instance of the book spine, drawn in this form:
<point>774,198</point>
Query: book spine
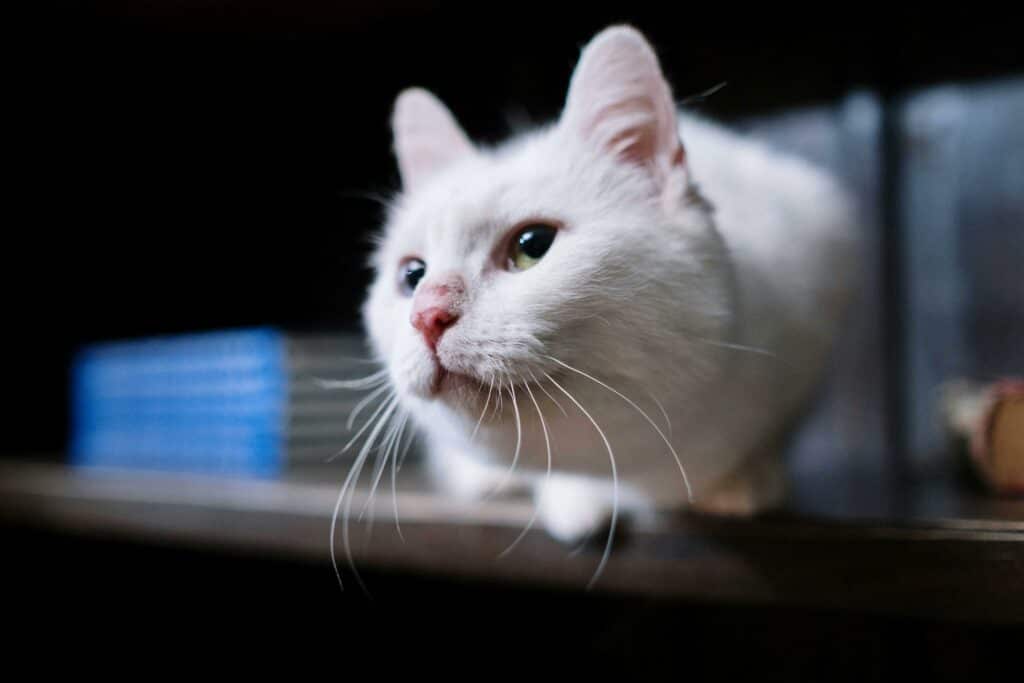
<point>213,403</point>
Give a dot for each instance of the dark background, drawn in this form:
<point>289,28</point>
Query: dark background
<point>195,165</point>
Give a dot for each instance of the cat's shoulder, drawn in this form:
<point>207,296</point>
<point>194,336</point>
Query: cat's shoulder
<point>737,170</point>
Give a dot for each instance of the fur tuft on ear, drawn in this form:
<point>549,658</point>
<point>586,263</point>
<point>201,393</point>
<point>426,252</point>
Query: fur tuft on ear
<point>619,100</point>
<point>427,137</point>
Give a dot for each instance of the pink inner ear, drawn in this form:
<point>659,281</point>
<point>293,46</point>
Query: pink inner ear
<point>631,133</point>
<point>619,100</point>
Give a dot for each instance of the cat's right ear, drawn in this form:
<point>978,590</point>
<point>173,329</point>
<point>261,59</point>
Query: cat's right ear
<point>427,137</point>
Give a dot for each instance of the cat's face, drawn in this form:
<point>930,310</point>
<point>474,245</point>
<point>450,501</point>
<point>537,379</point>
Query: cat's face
<point>580,242</point>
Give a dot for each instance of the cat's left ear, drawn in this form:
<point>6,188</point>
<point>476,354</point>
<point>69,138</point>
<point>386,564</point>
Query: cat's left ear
<point>619,100</point>
<point>427,137</point>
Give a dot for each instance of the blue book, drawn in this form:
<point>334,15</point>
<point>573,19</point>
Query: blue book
<point>243,402</point>
<point>213,403</point>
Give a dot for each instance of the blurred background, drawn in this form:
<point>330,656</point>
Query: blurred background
<point>190,166</point>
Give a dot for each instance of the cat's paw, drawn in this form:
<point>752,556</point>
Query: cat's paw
<point>572,511</point>
<point>471,481</point>
<point>468,479</point>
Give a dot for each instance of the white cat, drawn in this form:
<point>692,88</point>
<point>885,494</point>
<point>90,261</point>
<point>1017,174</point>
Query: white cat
<point>572,302</point>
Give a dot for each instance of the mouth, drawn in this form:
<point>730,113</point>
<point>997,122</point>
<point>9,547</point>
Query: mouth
<point>446,381</point>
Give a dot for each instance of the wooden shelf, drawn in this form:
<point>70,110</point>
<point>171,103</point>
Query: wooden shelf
<point>932,549</point>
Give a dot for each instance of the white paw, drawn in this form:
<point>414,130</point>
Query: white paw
<point>471,481</point>
<point>468,479</point>
<point>573,511</point>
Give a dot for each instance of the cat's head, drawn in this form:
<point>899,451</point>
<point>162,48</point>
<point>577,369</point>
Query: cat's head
<point>584,241</point>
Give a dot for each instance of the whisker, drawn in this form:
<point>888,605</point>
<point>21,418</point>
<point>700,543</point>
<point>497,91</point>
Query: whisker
<point>363,428</point>
<point>382,200</point>
<point>615,485</point>
<point>353,471</point>
<point>701,96</point>
<point>679,462</point>
<point>383,453</point>
<point>490,388</point>
<point>548,394</point>
<point>501,400</point>
<point>396,465</point>
<point>479,390</point>
<point>737,347</point>
<point>362,404</point>
<point>361,383</point>
<point>664,413</point>
<point>405,450</point>
<point>519,440</point>
<point>347,486</point>
<point>740,347</point>
<point>363,455</point>
<point>547,476</point>
<point>382,460</point>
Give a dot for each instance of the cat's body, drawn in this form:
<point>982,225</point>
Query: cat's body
<point>656,352</point>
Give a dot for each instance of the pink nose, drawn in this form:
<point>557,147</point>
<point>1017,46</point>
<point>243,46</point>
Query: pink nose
<point>432,322</point>
<point>436,307</point>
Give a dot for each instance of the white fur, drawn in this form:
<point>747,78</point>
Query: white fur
<point>719,302</point>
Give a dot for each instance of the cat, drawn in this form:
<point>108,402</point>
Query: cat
<point>621,311</point>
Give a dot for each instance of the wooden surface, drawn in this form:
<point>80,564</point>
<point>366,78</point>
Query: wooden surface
<point>931,550</point>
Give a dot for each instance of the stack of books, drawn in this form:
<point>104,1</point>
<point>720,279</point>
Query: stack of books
<point>249,402</point>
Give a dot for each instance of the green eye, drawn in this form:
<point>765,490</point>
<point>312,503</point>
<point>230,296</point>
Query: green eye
<point>530,245</point>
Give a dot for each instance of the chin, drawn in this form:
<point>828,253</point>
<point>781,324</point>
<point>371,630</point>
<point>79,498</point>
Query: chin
<point>450,385</point>
<point>461,393</point>
<point>454,390</point>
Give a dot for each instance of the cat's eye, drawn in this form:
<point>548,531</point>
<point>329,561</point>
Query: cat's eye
<point>410,272</point>
<point>530,244</point>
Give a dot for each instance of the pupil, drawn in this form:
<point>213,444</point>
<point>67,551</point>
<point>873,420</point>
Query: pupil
<point>414,272</point>
<point>535,242</point>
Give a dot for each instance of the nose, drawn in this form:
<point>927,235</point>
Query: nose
<point>432,322</point>
<point>436,307</point>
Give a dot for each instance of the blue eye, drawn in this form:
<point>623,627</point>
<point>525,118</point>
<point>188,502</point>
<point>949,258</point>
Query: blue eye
<point>530,245</point>
<point>409,275</point>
